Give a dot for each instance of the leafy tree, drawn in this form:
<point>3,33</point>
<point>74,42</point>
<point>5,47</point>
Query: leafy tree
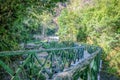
<point>21,18</point>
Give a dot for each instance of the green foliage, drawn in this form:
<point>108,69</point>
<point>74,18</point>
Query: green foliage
<point>6,67</point>
<point>96,22</point>
<point>103,25</point>
<point>68,25</point>
<point>81,35</point>
<point>20,19</point>
<point>53,44</point>
<point>50,31</point>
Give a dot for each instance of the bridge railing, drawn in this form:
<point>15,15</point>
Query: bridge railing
<point>86,69</point>
<point>49,64</point>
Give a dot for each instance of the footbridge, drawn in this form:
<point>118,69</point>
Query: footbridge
<point>81,62</point>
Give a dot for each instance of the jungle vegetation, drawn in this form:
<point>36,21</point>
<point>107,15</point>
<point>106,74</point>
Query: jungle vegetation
<point>94,22</point>
<point>83,21</point>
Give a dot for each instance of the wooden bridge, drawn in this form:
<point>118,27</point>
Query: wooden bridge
<point>68,63</point>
